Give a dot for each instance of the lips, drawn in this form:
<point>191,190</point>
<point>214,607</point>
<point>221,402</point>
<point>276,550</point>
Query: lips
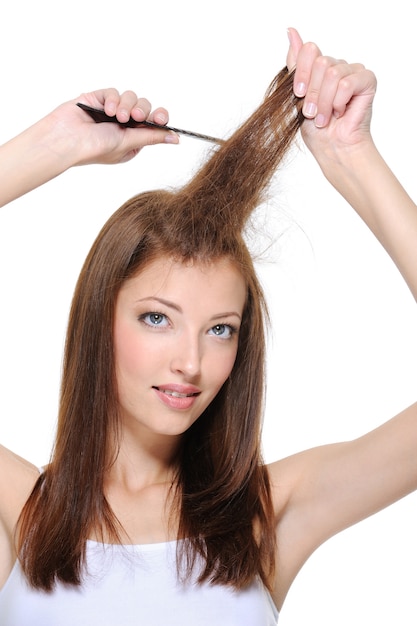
<point>177,396</point>
<point>178,391</point>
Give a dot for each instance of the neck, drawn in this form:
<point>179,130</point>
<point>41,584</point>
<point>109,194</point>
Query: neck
<point>144,460</point>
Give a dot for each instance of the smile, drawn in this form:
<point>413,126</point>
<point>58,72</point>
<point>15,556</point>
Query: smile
<point>177,400</point>
<point>176,394</point>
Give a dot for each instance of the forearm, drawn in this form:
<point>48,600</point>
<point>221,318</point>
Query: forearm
<point>68,136</point>
<point>31,159</point>
<point>367,183</point>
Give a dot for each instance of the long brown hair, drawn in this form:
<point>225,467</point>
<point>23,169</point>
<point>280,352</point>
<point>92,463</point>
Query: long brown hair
<point>223,488</point>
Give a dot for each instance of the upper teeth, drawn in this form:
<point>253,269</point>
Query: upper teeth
<point>176,394</point>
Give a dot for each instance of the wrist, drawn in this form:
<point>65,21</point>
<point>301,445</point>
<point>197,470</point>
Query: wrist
<point>53,142</point>
<point>347,162</point>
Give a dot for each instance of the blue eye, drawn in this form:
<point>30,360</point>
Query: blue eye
<point>225,331</point>
<point>154,319</point>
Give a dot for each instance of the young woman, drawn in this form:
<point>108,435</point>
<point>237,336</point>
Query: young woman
<point>156,507</point>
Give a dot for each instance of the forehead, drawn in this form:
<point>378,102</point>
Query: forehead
<point>218,281</point>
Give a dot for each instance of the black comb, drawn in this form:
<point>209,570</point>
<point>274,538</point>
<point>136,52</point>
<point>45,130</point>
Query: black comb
<point>100,116</point>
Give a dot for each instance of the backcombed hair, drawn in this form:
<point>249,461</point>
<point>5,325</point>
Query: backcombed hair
<point>222,488</point>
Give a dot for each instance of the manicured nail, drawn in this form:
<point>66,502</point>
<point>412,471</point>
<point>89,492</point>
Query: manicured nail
<point>310,109</point>
<point>300,90</point>
<point>141,112</point>
<point>171,137</point>
<point>160,118</point>
<point>320,120</point>
<point>123,113</point>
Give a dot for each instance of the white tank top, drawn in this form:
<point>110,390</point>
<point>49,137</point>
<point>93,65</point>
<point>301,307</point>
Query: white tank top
<point>134,586</point>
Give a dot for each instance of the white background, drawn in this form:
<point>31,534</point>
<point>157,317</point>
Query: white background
<point>344,332</point>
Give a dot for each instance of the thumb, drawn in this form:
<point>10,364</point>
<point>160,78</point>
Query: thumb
<point>296,44</point>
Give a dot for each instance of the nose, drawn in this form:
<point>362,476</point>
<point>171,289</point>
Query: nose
<point>187,355</point>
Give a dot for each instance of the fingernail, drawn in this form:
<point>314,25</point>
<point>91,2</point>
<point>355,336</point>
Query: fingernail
<point>320,120</point>
<point>141,112</point>
<point>310,109</point>
<point>160,118</point>
<point>124,114</point>
<point>171,138</point>
<point>300,89</point>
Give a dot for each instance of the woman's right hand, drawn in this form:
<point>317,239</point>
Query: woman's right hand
<point>90,142</point>
<point>68,136</point>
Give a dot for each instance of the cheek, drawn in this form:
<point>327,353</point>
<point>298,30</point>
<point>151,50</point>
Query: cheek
<point>130,354</point>
<point>222,366</point>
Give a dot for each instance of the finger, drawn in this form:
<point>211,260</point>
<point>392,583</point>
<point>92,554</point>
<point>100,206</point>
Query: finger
<point>306,58</point>
<point>138,138</point>
<point>338,84</point>
<point>139,109</point>
<point>322,86</point>
<point>296,44</point>
<point>111,100</point>
<point>106,99</point>
<point>132,106</point>
<point>154,136</point>
<point>159,116</point>
<point>359,82</point>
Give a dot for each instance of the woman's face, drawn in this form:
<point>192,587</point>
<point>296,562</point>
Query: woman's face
<point>175,335</point>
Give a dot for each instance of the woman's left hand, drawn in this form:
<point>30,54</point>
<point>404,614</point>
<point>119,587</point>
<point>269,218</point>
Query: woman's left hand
<point>337,96</point>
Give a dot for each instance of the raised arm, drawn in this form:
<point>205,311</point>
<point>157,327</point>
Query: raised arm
<point>338,101</point>
<point>321,491</point>
<point>68,136</point>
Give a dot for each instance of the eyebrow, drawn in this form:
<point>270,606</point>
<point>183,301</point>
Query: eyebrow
<point>176,307</point>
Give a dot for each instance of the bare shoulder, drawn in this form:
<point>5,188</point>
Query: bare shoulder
<point>12,460</point>
<point>17,479</point>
